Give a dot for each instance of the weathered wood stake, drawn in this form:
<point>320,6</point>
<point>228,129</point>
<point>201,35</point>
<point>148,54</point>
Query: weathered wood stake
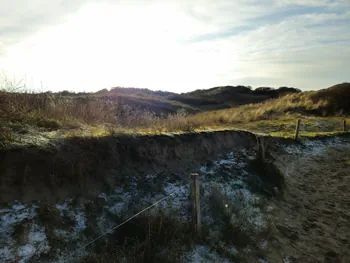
<point>262,148</point>
<point>297,129</point>
<point>344,124</point>
<point>196,204</point>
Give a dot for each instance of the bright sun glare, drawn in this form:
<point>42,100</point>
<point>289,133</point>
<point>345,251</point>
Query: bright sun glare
<point>105,45</point>
<point>175,45</point>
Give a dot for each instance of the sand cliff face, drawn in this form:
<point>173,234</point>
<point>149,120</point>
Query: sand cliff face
<point>246,213</point>
<point>87,166</point>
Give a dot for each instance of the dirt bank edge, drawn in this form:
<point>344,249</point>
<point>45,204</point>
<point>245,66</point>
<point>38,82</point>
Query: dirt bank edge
<point>87,166</point>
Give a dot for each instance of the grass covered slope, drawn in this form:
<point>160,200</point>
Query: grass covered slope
<point>326,102</point>
<point>228,96</point>
<point>144,111</point>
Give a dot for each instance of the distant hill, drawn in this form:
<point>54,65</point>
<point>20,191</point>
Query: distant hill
<point>331,101</point>
<point>138,109</point>
<point>326,101</point>
<point>334,100</point>
<point>228,96</point>
<point>337,96</point>
<point>199,100</point>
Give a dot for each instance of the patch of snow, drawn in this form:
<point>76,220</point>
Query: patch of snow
<point>121,204</point>
<point>314,147</point>
<point>126,201</point>
<point>178,200</point>
<point>63,235</point>
<point>260,260</point>
<point>240,202</point>
<point>103,196</point>
<point>37,236</point>
<point>256,220</point>
<point>206,170</point>
<point>14,217</point>
<point>6,254</point>
<point>151,176</point>
<point>37,241</point>
<point>117,208</point>
<point>208,219</point>
<point>225,162</point>
<point>269,208</point>
<point>26,252</point>
<point>202,254</point>
<point>119,190</point>
<point>177,190</point>
<point>64,206</point>
<point>76,214</point>
<point>80,220</point>
<point>18,207</point>
<point>69,256</point>
<point>287,260</point>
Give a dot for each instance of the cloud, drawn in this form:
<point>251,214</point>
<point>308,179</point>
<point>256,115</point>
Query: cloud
<point>20,18</point>
<point>176,45</point>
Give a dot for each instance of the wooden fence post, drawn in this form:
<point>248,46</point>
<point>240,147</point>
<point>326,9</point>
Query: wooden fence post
<point>344,124</point>
<point>196,204</point>
<point>262,147</point>
<point>297,129</point>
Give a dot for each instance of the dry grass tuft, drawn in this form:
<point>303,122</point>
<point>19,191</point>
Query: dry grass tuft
<point>6,135</point>
<point>148,238</point>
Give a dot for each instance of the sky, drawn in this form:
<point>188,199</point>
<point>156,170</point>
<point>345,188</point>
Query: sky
<point>174,45</point>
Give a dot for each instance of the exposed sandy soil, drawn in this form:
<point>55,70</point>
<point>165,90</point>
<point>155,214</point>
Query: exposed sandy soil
<point>313,220</point>
<point>55,169</point>
<point>310,222</point>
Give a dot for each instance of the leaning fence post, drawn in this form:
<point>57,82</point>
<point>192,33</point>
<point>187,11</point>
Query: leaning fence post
<point>297,129</point>
<point>196,204</point>
<point>344,124</point>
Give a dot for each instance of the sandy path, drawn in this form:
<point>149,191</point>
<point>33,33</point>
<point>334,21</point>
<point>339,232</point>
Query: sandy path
<point>313,220</point>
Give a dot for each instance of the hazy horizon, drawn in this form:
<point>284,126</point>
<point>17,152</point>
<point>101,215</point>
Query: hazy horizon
<point>175,46</point>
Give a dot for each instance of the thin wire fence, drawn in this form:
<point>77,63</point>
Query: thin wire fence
<point>130,218</point>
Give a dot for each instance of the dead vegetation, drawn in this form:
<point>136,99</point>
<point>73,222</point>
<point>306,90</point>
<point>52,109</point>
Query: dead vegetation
<point>54,112</point>
<point>112,113</point>
<point>148,238</point>
<point>325,103</point>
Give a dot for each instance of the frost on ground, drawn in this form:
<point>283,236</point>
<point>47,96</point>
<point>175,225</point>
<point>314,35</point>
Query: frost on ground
<point>16,219</point>
<point>224,177</point>
<point>313,147</point>
<point>203,254</point>
<point>230,191</point>
<point>23,236</point>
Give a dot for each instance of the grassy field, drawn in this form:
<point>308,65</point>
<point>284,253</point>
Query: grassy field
<point>321,112</point>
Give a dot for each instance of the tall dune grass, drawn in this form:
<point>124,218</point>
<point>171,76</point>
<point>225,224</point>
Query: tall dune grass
<point>54,111</point>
